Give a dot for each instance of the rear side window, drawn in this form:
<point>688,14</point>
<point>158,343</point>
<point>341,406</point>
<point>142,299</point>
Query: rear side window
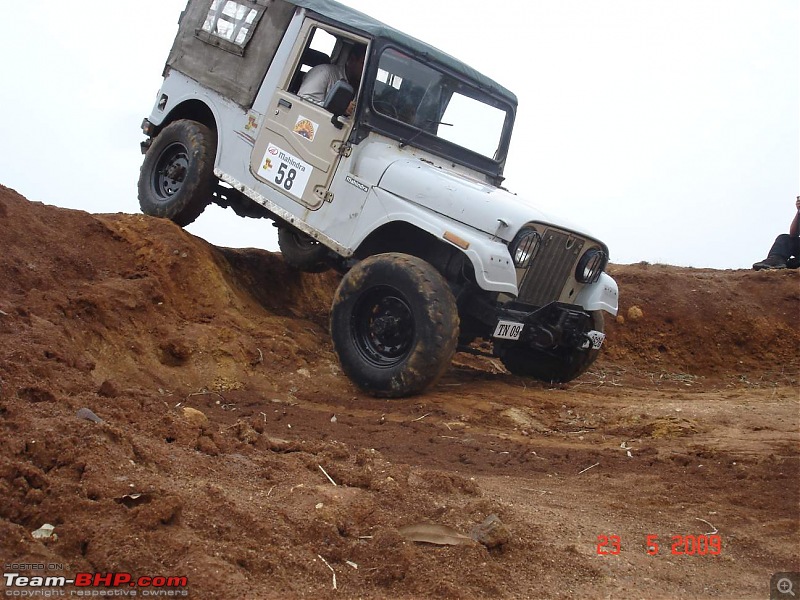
<point>230,24</point>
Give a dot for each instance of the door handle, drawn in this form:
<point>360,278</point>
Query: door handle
<point>284,103</point>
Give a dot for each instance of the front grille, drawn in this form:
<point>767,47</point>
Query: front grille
<point>550,268</point>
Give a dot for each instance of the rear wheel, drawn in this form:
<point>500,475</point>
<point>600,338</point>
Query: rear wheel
<point>559,367</point>
<point>394,325</point>
<point>177,175</point>
<point>301,251</point>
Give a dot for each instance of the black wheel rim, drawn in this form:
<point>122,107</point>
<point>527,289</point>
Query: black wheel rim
<point>171,169</point>
<point>383,327</point>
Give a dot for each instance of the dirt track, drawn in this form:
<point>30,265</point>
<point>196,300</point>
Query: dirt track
<point>689,423</point>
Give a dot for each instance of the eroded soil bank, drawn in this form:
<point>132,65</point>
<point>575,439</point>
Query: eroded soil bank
<point>687,426</point>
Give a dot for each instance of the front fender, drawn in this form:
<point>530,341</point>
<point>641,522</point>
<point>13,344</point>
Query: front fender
<point>603,295</point>
<point>489,256</point>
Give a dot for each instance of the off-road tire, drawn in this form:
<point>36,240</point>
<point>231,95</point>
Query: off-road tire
<point>301,251</point>
<point>394,325</point>
<point>561,368</point>
<point>177,175</point>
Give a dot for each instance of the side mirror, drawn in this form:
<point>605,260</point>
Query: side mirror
<point>338,99</point>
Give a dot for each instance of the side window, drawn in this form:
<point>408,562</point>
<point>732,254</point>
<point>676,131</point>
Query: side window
<point>230,24</point>
<point>322,41</point>
<point>318,51</point>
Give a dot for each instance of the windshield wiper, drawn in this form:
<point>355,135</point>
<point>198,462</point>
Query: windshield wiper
<point>419,131</point>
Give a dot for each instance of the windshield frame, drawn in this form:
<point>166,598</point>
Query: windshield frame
<point>372,119</point>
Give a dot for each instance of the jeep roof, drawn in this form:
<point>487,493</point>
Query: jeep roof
<point>359,22</point>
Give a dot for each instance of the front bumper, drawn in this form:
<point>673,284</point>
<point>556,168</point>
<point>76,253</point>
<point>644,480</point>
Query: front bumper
<point>555,325</point>
<point>149,130</point>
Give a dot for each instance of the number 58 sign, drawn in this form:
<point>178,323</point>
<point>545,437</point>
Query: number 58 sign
<point>285,170</point>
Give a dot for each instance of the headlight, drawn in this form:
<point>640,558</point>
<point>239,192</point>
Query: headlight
<point>591,265</point>
<point>524,247</point>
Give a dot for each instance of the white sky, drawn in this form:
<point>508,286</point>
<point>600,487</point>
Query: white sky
<point>670,128</point>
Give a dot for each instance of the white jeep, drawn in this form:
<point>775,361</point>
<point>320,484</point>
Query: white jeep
<point>403,196</point>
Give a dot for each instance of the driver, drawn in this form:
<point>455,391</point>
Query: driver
<point>319,80</point>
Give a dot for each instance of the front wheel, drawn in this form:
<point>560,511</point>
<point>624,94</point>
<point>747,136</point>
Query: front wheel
<point>559,367</point>
<point>394,325</point>
<point>175,181</point>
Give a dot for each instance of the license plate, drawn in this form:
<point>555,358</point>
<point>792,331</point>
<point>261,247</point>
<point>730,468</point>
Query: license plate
<point>508,330</point>
<point>597,338</point>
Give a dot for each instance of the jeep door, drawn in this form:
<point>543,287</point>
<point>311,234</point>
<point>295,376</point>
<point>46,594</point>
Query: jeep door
<point>299,147</point>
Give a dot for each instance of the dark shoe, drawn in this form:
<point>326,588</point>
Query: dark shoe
<point>793,263</point>
<point>771,262</point>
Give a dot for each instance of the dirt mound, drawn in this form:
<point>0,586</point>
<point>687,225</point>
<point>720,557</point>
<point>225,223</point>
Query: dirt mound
<point>706,322</point>
<point>176,409</point>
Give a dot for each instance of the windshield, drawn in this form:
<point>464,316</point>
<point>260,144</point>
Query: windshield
<point>412,92</point>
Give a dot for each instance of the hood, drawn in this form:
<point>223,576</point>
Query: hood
<point>468,201</point>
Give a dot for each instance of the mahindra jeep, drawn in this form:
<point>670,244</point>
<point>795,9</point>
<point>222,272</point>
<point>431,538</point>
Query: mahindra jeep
<point>394,179</point>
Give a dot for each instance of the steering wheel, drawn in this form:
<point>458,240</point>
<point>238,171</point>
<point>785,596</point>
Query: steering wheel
<point>386,108</point>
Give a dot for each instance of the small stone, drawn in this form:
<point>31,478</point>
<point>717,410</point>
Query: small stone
<point>44,532</point>
<point>491,533</point>
<point>88,415</point>
<point>194,416</point>
<point>635,313</point>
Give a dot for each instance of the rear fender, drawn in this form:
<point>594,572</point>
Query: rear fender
<point>183,98</point>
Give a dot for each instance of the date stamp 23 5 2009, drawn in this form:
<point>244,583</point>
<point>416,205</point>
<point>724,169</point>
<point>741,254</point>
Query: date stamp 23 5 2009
<point>679,545</point>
